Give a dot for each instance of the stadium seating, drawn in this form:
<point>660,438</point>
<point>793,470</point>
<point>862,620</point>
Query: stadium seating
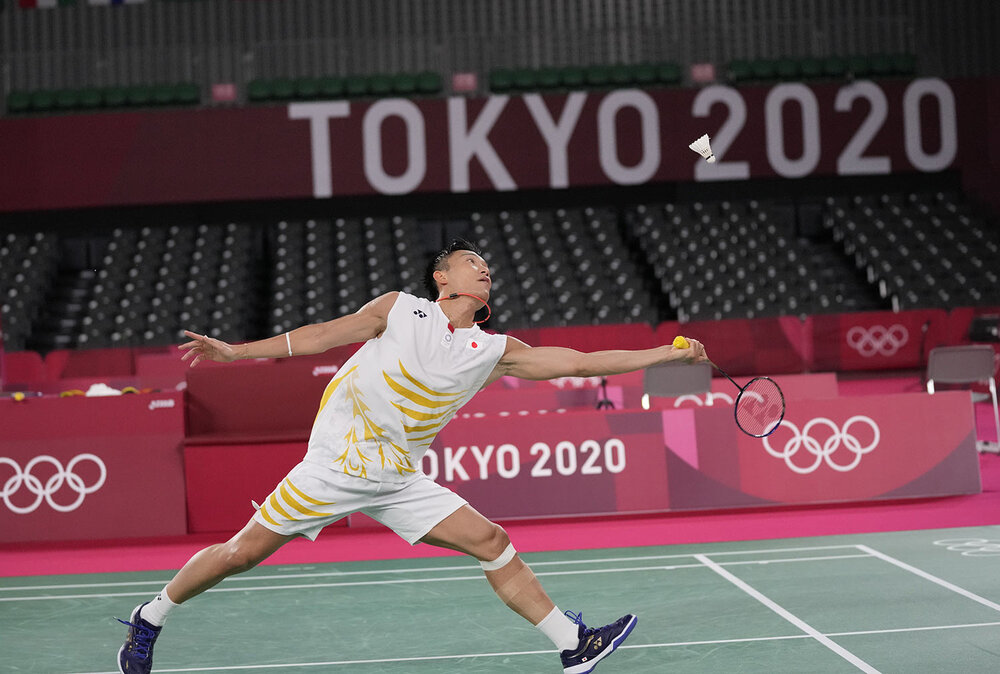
<point>641,263</point>
<point>594,76</point>
<point>831,67</point>
<point>90,98</point>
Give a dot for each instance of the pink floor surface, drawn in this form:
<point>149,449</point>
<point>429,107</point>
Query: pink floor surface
<point>340,544</point>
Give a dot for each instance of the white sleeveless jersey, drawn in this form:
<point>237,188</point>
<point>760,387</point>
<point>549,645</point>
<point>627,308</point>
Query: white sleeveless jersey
<point>382,410</point>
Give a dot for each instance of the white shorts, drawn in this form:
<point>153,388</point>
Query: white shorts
<point>312,496</point>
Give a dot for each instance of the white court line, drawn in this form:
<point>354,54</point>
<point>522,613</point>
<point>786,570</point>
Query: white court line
<point>405,581</point>
<point>934,579</point>
<point>463,567</point>
<point>674,644</point>
<point>790,617</point>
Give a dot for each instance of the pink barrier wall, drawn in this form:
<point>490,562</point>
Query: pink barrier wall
<point>784,345</point>
<point>589,462</point>
<point>74,468</point>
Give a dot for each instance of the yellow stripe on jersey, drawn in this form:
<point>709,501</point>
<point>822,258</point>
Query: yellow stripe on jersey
<point>302,495</point>
<point>331,387</point>
<point>420,416</point>
<point>424,429</point>
<point>426,389</point>
<point>415,397</point>
<point>425,437</point>
<point>267,516</point>
<point>273,500</point>
<point>296,505</point>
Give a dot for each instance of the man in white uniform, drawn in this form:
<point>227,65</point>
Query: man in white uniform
<point>420,363</point>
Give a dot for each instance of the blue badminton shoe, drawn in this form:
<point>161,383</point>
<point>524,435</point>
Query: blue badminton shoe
<point>136,655</point>
<point>595,644</point>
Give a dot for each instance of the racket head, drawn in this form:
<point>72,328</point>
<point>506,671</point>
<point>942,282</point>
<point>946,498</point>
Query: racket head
<point>759,407</point>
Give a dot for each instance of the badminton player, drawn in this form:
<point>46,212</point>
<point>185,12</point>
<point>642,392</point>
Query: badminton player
<point>421,360</point>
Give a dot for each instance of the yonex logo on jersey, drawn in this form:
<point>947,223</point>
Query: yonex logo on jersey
<point>419,314</point>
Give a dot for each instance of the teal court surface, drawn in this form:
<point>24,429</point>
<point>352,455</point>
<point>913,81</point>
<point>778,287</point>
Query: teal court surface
<point>917,601</point>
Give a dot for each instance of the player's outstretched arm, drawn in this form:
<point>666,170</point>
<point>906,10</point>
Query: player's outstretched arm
<point>550,362</point>
<point>366,323</point>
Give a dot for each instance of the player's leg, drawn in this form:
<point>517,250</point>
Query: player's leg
<point>252,545</point>
<point>468,531</point>
<point>302,504</point>
<point>581,648</point>
<point>248,548</point>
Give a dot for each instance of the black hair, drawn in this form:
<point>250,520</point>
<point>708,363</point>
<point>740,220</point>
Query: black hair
<point>439,262</point>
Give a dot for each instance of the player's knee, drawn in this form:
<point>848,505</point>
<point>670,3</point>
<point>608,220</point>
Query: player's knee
<point>237,558</point>
<point>497,542</point>
<point>497,550</point>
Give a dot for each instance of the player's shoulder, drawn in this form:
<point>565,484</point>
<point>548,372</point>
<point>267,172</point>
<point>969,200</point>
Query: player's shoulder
<point>499,341</point>
<point>412,302</point>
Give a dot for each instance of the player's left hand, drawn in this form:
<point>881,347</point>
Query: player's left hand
<point>203,347</point>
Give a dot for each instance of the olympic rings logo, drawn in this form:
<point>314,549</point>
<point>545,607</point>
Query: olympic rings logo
<point>824,452</point>
<point>877,340</point>
<point>971,547</point>
<point>52,485</point>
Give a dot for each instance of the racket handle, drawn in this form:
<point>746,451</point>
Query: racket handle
<point>681,343</point>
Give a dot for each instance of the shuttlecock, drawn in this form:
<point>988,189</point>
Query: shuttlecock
<point>702,147</point>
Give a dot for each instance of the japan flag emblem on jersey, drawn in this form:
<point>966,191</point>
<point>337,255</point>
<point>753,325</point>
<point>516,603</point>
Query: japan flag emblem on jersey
<point>473,344</point>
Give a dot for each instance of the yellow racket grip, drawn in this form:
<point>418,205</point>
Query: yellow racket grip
<point>681,343</point>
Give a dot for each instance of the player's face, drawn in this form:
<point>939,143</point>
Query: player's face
<point>469,273</point>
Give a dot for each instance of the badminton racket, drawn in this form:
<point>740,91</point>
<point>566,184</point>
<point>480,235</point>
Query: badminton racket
<point>760,405</point>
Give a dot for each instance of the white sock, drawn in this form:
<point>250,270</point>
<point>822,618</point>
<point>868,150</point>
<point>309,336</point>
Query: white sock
<point>563,632</point>
<point>156,611</point>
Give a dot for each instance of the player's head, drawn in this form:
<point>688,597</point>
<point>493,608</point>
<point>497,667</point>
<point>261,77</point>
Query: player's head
<point>460,267</point>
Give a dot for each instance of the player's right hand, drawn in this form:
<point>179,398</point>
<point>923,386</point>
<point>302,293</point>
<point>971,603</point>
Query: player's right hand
<point>203,347</point>
<point>694,353</point>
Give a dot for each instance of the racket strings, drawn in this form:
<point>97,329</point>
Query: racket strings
<point>760,407</point>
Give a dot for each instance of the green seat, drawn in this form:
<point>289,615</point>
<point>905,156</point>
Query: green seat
<point>306,88</point>
<point>859,66</point>
<point>644,73</point>
<point>834,66</point>
<point>904,64</point>
<point>501,79</point>
<point>597,75</point>
<point>572,77</point>
<point>259,90</point>
<point>139,95</point>
<point>283,89</point>
<point>525,79</point>
<point>811,68</point>
<point>91,98</point>
<point>548,78</point>
<point>18,101</point>
<point>621,74</point>
<point>429,82</point>
<point>787,69</point>
<point>43,101</point>
<point>404,83</point>
<point>187,93</point>
<point>164,94</point>
<point>356,85</point>
<point>115,97</point>
<point>67,99</point>
<point>331,86</point>
<point>739,71</point>
<point>668,73</point>
<point>380,85</point>
<point>764,69</point>
<point>881,65</point>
